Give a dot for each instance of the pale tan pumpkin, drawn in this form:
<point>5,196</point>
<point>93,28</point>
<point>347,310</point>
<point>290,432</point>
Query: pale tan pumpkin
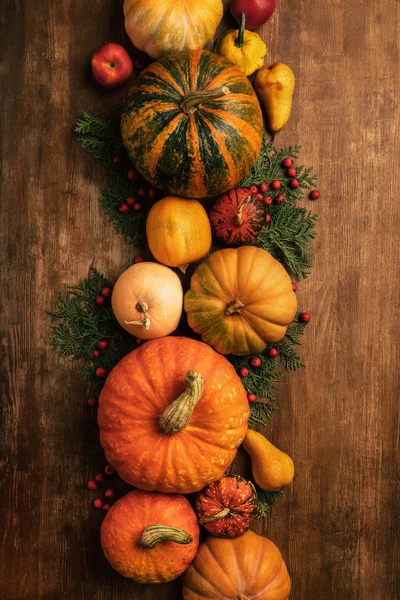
<point>159,27</point>
<point>178,231</point>
<point>147,300</point>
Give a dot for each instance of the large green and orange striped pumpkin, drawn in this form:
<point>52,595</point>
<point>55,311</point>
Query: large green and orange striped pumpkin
<point>192,124</point>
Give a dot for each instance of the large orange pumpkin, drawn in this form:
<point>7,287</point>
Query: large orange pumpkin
<point>249,567</point>
<point>178,231</point>
<point>158,27</point>
<point>239,300</point>
<point>193,124</point>
<point>150,537</point>
<point>172,414</point>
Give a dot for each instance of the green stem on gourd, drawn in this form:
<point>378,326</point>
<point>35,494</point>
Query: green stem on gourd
<point>142,307</point>
<point>239,43</point>
<point>154,534</point>
<point>177,415</point>
<point>221,515</point>
<point>193,99</point>
<point>234,307</point>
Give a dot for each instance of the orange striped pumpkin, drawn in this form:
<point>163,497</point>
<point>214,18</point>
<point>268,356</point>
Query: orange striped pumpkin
<point>193,124</point>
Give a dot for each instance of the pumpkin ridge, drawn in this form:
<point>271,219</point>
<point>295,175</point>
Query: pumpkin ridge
<point>231,71</point>
<point>159,142</point>
<point>198,166</point>
<point>216,562</point>
<point>161,73</point>
<point>224,149</point>
<point>193,70</point>
<point>230,118</point>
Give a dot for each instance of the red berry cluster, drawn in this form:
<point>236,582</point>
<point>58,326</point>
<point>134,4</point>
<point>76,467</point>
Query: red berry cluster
<point>102,297</point>
<point>102,345</point>
<point>109,493</point>
<point>291,171</point>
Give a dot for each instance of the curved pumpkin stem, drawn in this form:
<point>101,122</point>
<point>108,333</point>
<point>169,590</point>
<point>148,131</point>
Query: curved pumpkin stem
<point>239,214</point>
<point>193,99</point>
<point>142,307</point>
<point>234,307</point>
<point>177,415</point>
<point>154,534</point>
<point>221,515</point>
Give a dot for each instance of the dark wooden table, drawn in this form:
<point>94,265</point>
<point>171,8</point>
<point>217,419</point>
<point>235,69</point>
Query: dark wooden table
<point>338,524</point>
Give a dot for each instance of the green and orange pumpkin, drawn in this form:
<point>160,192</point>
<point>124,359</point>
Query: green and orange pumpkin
<point>192,124</point>
<point>237,217</point>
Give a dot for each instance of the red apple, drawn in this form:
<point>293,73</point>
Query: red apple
<point>257,11</point>
<point>111,65</point>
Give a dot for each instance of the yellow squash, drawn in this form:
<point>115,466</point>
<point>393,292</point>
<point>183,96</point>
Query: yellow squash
<point>244,48</point>
<point>178,231</point>
<point>272,468</point>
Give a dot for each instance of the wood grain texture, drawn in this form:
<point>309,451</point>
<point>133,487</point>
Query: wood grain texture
<point>337,525</point>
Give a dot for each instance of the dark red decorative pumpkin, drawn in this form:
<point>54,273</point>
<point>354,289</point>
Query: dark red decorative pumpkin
<point>237,217</point>
<point>227,507</point>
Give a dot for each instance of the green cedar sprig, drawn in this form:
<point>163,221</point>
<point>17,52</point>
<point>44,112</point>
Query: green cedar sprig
<point>265,500</point>
<point>78,325</point>
<point>261,380</point>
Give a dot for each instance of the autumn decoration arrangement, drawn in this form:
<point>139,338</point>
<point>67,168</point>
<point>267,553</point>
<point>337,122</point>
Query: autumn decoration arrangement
<point>183,346</point>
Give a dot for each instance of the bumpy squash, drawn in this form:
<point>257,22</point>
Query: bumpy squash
<point>227,507</point>
<point>237,217</point>
<point>178,231</point>
<point>239,300</point>
<point>150,537</point>
<point>161,26</point>
<point>147,300</point>
<point>159,435</point>
<point>249,567</point>
<point>193,124</point>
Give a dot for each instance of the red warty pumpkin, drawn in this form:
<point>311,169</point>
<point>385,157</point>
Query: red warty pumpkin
<point>237,217</point>
<point>227,507</point>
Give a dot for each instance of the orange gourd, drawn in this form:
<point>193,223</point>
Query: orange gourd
<point>159,27</point>
<point>249,567</point>
<point>178,231</point>
<point>172,414</point>
<point>239,300</point>
<point>150,537</point>
<point>147,300</point>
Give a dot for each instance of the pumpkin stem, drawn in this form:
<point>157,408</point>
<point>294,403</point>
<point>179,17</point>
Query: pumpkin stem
<point>193,99</point>
<point>154,534</point>
<point>240,38</point>
<point>177,415</point>
<point>183,268</point>
<point>221,515</point>
<point>239,214</point>
<point>234,307</point>
<point>142,307</point>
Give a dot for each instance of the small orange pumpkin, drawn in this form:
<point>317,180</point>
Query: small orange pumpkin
<point>178,231</point>
<point>249,567</point>
<point>150,537</point>
<point>172,414</point>
<point>147,300</point>
<point>239,300</point>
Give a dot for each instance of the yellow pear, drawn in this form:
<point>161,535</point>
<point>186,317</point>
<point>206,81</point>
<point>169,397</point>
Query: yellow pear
<point>275,86</point>
<point>272,468</point>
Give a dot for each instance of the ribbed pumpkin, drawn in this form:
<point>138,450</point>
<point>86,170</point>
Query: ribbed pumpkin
<point>193,124</point>
<point>160,27</point>
<point>239,300</point>
<point>227,507</point>
<point>237,217</point>
<point>150,537</point>
<point>172,414</point>
<point>249,567</point>
<point>178,231</point>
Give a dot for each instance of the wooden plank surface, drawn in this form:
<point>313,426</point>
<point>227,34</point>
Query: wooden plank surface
<point>337,525</point>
